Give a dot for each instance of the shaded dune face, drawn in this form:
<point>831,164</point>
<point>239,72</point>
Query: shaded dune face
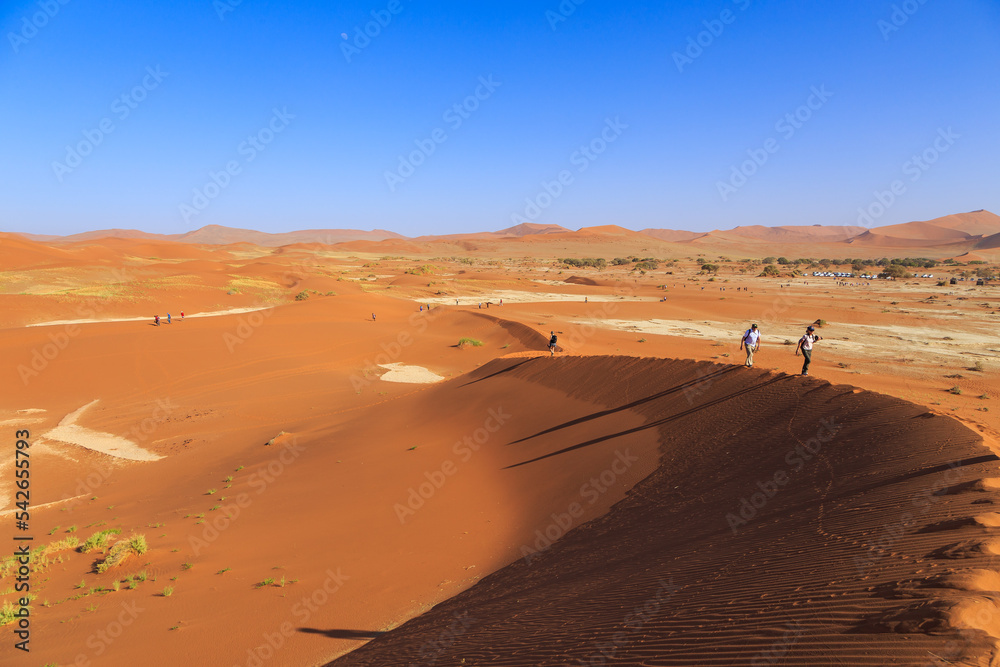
<point>789,522</point>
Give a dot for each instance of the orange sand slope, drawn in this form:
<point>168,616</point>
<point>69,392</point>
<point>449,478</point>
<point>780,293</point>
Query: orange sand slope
<point>789,522</point>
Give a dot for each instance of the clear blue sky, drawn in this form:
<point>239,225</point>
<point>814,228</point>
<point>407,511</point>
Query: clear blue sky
<point>226,66</point>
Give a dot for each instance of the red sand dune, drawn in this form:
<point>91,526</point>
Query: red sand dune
<point>953,245</point>
<point>671,235</point>
<point>974,223</point>
<point>105,234</point>
<point>921,231</point>
<point>742,548</point>
<point>788,234</point>
<point>820,572</point>
<point>530,229</point>
<point>16,251</point>
<point>387,247</point>
<point>219,235</point>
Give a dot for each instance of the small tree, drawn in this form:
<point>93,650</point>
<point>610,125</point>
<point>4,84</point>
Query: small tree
<point>770,271</point>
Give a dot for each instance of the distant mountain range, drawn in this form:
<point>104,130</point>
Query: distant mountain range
<point>961,233</point>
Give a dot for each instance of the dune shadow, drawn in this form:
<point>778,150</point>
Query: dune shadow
<point>653,424</point>
<point>343,634</point>
<point>499,372</point>
<point>696,382</point>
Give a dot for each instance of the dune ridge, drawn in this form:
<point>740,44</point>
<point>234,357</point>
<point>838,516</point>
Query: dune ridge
<point>743,548</point>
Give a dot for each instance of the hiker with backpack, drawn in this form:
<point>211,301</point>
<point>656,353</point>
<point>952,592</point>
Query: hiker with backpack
<point>751,341</point>
<point>552,344</point>
<point>806,345</point>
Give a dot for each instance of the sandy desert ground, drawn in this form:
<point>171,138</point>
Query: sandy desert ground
<point>311,467</point>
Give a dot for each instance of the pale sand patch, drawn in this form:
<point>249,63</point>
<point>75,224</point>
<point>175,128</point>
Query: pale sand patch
<point>107,443</point>
<point>163,318</point>
<point>876,342</point>
<point>30,411</point>
<point>409,374</point>
<point>22,420</point>
<point>518,296</point>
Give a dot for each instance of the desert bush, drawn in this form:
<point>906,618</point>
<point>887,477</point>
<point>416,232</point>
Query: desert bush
<point>470,342</point>
<point>770,271</point>
<point>98,541</point>
<point>122,551</point>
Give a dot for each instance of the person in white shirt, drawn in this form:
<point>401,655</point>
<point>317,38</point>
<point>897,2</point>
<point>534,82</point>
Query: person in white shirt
<point>751,341</point>
<point>806,345</point>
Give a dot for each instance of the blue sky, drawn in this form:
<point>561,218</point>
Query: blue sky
<point>669,115</point>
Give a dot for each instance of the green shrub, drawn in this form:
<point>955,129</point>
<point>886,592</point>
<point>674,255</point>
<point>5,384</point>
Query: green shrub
<point>98,541</point>
<point>122,551</point>
<point>467,342</point>
<point>302,296</point>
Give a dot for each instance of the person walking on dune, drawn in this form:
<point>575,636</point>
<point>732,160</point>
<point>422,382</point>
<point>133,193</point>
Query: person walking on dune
<point>182,314</point>
<point>552,344</point>
<point>806,345</point>
<point>156,320</point>
<point>168,318</point>
<point>751,341</point>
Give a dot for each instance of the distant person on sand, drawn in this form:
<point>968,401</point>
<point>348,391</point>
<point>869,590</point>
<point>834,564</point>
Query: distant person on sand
<point>168,318</point>
<point>156,320</point>
<point>806,345</point>
<point>373,317</point>
<point>182,314</point>
<point>552,344</point>
<point>751,341</point>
